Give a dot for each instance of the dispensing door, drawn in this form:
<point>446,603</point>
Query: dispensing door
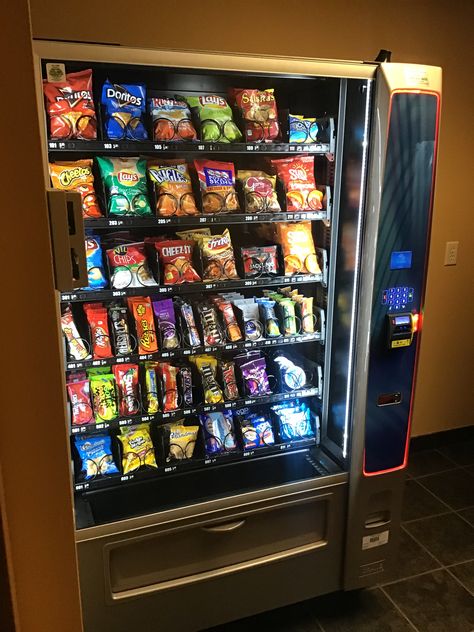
<point>400,184</point>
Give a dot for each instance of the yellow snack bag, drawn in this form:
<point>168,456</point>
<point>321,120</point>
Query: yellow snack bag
<point>138,448</point>
<point>207,367</point>
<point>180,440</point>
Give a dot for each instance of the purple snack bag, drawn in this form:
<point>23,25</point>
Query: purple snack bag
<point>164,312</point>
<point>254,374</point>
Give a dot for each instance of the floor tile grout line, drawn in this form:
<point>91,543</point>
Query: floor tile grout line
<point>458,513</point>
<point>402,579</point>
<point>443,513</point>
<point>459,581</point>
<point>437,497</point>
<point>320,625</point>
<point>448,469</point>
<point>397,607</point>
<point>425,548</point>
<point>459,563</point>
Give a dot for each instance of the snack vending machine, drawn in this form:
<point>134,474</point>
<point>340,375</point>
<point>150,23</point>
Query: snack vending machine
<point>240,250</point>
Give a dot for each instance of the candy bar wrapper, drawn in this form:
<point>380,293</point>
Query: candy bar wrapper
<point>218,432</point>
<point>207,367</point>
<point>186,385</point>
<point>81,408</point>
<point>126,377</point>
<point>143,315</point>
<point>210,325</point>
<point>305,304</point>
<point>288,316</point>
<point>95,452</point>
<point>99,327</point>
<point>179,440</point>
<point>231,325</point>
<point>103,395</point>
<point>165,317</point>
<point>268,317</point>
<point>120,331</point>
<point>255,377</point>
<point>227,376</point>
<point>151,386</point>
<point>190,332</point>
<point>168,374</point>
<point>137,448</point>
<point>75,346</point>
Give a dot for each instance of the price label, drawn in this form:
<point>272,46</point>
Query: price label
<point>119,293</point>
<point>107,145</point>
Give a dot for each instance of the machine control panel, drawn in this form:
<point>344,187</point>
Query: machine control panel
<point>401,328</point>
<point>397,297</point>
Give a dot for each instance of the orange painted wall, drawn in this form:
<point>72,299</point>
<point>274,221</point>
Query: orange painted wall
<point>420,31</point>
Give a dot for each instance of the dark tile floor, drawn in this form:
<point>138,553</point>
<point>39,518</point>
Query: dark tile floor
<point>433,589</point>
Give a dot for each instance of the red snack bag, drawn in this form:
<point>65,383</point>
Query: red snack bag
<point>70,107</point>
<point>259,112</point>
<point>126,376</point>
<point>297,175</point>
<point>168,374</point>
<point>100,338</point>
<point>142,313</point>
<point>176,259</point>
<point>81,407</point>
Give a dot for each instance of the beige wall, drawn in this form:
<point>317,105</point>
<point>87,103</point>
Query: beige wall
<point>430,32</point>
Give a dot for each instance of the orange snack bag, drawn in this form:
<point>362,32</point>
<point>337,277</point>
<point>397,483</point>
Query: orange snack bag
<point>76,176</point>
<point>297,175</point>
<point>299,253</point>
<point>142,312</point>
<point>173,188</point>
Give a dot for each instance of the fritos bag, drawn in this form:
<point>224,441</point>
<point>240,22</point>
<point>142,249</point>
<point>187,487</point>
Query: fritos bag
<point>176,257</point>
<point>172,184</point>
<point>259,112</point>
<point>297,175</point>
<point>70,107</point>
<point>171,120</point>
<point>218,257</point>
<point>299,254</point>
<point>76,176</point>
<point>217,184</point>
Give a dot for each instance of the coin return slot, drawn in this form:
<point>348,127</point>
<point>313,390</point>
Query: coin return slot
<point>389,399</point>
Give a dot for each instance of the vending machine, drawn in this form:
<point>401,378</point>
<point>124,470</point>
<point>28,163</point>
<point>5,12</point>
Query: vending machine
<point>240,249</point>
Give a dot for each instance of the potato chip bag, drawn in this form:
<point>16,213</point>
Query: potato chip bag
<point>125,185</point>
<point>299,254</point>
<point>70,107</point>
<point>96,455</point>
<point>173,189</point>
<point>302,130</point>
<point>95,268</point>
<point>218,257</point>
<point>137,448</point>
<point>176,259</point>
<point>217,184</point>
<point>259,191</point>
<point>129,266</point>
<point>215,117</point>
<point>193,233</point>
<point>259,113</point>
<point>297,175</point>
<point>77,176</point>
<point>171,120</point>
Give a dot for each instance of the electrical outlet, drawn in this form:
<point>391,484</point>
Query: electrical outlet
<point>451,253</point>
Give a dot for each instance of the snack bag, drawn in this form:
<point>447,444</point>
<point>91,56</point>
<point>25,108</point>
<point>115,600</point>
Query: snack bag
<point>172,184</point>
<point>288,316</point>
<point>259,113</point>
<point>292,376</point>
<point>176,259</point>
<point>254,374</point>
<point>302,130</point>
<point>294,420</point>
<point>193,233</point>
<point>211,329</point>
<point>151,388</point>
<point>95,268</point>
<point>126,378</point>
<point>257,431</point>
<point>228,380</point>
<point>124,107</point>
<point>218,257</point>
<point>179,440</point>
<point>191,335</point>
<point>297,175</point>
<point>226,310</point>
<point>75,345</point>
<point>142,312</point>
<point>165,317</point>
<point>186,381</point>
<point>137,448</point>
<point>168,374</point>
<point>306,315</point>
<point>259,191</point>
<point>218,432</point>
<point>81,408</point>
<point>260,261</point>
<point>77,176</point>
<point>129,266</point>
<point>125,184</point>
<point>96,315</point>
<point>70,107</point>
<point>171,120</point>
<point>215,117</point>
<point>299,253</point>
<point>121,333</point>
<point>96,455</point>
<point>268,317</point>
<point>103,395</point>
<point>207,368</point>
<point>217,184</point>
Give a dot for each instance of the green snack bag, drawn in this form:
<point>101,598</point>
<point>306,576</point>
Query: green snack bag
<point>125,184</point>
<point>215,117</point>
<point>104,397</point>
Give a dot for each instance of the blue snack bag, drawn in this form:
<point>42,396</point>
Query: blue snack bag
<point>125,107</point>
<point>302,130</point>
<point>95,267</point>
<point>218,431</point>
<point>96,455</point>
<point>294,420</point>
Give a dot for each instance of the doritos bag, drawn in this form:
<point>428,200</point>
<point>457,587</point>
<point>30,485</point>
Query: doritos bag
<point>297,175</point>
<point>124,106</point>
<point>77,176</point>
<point>70,107</point>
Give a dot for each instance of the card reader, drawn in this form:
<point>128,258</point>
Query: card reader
<point>401,328</point>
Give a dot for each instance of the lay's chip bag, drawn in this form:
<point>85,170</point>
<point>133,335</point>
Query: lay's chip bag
<point>125,185</point>
<point>124,106</point>
<point>215,117</point>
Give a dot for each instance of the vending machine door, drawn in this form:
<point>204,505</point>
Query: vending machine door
<point>392,286</point>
